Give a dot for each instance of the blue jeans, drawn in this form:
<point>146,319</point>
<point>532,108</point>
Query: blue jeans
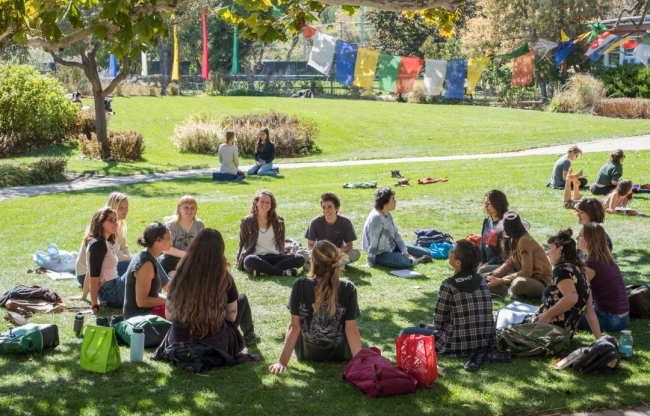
<point>261,170</point>
<point>397,259</point>
<point>121,269</point>
<point>416,330</point>
<point>111,294</point>
<point>609,322</point>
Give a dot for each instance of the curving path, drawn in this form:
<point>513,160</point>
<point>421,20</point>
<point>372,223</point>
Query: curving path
<point>605,145</point>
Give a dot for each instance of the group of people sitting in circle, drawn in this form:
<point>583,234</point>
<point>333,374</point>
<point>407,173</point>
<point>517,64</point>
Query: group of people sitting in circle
<point>579,283</point>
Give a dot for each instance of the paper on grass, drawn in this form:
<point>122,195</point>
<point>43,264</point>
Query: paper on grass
<point>514,314</point>
<point>405,273</point>
<point>61,276</point>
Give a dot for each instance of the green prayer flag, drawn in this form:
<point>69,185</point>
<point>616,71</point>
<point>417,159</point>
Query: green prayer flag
<point>277,13</point>
<point>523,50</point>
<point>387,69</point>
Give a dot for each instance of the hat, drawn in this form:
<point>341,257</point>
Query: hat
<point>511,225</point>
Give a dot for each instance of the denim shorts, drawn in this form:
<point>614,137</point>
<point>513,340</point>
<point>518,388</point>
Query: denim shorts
<point>111,294</point>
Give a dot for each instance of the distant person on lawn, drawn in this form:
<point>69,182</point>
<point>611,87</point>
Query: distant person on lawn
<point>333,227</point>
<point>381,239</point>
<point>609,175</point>
<point>184,225</point>
<point>229,156</point>
<point>496,205</point>
<point>561,169</point>
<point>324,312</point>
<point>264,155</point>
<point>619,198</point>
<point>76,98</point>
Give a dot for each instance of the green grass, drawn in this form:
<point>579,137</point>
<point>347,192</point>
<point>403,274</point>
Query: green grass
<point>52,383</point>
<point>349,130</point>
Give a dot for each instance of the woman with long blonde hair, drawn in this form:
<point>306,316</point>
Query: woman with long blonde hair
<point>324,311</point>
<point>184,225</point>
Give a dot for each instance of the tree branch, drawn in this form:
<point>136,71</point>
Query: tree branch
<point>119,78</point>
<point>66,63</point>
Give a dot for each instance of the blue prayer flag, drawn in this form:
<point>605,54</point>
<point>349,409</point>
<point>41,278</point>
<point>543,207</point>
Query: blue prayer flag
<point>346,60</point>
<point>598,53</point>
<point>563,50</point>
<point>455,78</point>
<point>112,67</point>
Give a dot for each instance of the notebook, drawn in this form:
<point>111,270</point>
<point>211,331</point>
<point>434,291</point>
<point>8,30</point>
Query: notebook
<point>514,314</point>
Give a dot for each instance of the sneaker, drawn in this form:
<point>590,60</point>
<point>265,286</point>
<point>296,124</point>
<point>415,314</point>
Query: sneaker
<point>291,272</point>
<point>252,339</point>
<point>258,274</point>
<point>424,260</point>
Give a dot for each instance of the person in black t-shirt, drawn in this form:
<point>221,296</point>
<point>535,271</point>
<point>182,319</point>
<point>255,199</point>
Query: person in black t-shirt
<point>324,311</point>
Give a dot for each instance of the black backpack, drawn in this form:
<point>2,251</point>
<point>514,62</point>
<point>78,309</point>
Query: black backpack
<point>639,298</point>
<point>197,356</point>
<point>601,357</point>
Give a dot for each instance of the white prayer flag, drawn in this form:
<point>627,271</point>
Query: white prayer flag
<point>544,44</point>
<point>145,71</point>
<point>322,53</point>
<point>642,52</point>
<point>434,76</point>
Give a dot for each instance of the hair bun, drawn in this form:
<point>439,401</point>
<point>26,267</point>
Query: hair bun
<point>141,241</point>
<point>565,234</point>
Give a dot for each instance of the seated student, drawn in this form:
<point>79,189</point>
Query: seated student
<point>120,203</point>
<point>324,311</point>
<point>261,241</point>
<point>184,225</point>
<point>107,105</point>
<point>568,294</point>
<point>264,155</point>
<point>383,242</point>
<point>562,167</point>
<point>463,323</point>
<point>333,227</point>
<point>203,303</point>
<point>496,205</point>
<point>229,156</point>
<point>525,256</point>
<point>609,175</point>
<point>145,277</point>
<point>619,198</point>
<point>76,98</point>
<point>607,286</point>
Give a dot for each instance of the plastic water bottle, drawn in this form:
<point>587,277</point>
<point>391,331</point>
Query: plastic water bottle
<point>626,343</point>
<point>137,344</point>
<point>78,323</point>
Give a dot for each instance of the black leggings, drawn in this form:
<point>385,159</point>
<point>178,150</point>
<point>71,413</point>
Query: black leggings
<point>244,319</point>
<point>601,191</point>
<point>273,264</point>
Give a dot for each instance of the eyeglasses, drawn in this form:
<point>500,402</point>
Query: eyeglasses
<point>112,220</point>
<point>487,204</point>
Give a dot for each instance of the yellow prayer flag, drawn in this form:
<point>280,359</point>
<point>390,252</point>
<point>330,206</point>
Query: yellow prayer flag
<point>581,37</point>
<point>475,67</point>
<point>564,37</point>
<point>268,3</point>
<point>175,66</point>
<point>616,45</point>
<point>365,67</point>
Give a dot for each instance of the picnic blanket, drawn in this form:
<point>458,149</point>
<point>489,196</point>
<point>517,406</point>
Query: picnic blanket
<point>360,185</point>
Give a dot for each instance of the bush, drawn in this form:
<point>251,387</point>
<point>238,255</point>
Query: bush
<point>172,89</point>
<point>84,124</point>
<point>417,96</point>
<point>245,92</point>
<point>73,79</point>
<point>632,81</point>
<point>33,105</point>
<point>578,95</point>
<point>124,145</point>
<point>623,108</point>
<point>133,89</point>
<point>203,133</point>
<point>46,170</point>
<point>216,84</point>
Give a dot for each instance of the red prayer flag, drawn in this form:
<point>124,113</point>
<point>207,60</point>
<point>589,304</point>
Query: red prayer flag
<point>522,69</point>
<point>599,40</point>
<point>204,70</point>
<point>630,44</point>
<point>307,31</point>
<point>409,68</point>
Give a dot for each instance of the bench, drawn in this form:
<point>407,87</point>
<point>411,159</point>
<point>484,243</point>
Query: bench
<point>531,103</point>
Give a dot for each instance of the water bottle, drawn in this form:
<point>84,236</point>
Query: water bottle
<point>137,344</point>
<point>78,323</point>
<point>626,343</point>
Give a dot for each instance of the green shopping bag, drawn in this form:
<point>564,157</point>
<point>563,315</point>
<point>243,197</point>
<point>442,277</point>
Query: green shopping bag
<point>99,350</point>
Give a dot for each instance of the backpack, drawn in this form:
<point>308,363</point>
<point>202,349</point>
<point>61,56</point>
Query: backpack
<point>29,338</point>
<point>197,356</point>
<point>527,340</point>
<point>376,376</point>
<point>601,357</point>
<point>56,260</point>
<point>639,298</point>
<point>427,237</point>
<point>155,329</point>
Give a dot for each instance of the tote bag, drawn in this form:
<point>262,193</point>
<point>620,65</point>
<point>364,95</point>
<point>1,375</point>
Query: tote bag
<point>416,354</point>
<point>99,350</point>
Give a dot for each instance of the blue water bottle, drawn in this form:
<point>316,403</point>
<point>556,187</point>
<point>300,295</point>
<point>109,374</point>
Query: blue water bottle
<point>626,343</point>
<point>137,344</point>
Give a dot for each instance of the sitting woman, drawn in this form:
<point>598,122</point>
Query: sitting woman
<point>324,311</point>
<point>229,156</point>
<point>203,303</point>
<point>145,277</point>
<point>76,98</point>
<point>568,295</point>
<point>619,198</point>
<point>609,175</point>
<point>526,271</point>
<point>183,226</point>
<point>562,168</point>
<point>608,292</point>
<point>261,241</point>
<point>264,155</point>
<point>120,203</point>
<point>496,205</point>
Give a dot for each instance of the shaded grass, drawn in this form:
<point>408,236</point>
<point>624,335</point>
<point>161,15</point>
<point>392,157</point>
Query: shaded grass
<point>52,383</point>
<point>349,130</point>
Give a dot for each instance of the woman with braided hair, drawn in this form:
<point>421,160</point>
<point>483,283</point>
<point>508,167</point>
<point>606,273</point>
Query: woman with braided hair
<point>324,311</point>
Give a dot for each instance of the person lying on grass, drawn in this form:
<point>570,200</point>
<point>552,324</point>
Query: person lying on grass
<point>496,205</point>
<point>619,198</point>
<point>562,167</point>
<point>145,277</point>
<point>324,311</point>
<point>568,294</point>
<point>382,240</point>
<point>184,225</point>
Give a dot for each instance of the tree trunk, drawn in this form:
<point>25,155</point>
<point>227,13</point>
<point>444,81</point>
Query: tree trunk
<point>294,42</point>
<point>542,86</point>
<point>100,125</point>
<point>198,64</point>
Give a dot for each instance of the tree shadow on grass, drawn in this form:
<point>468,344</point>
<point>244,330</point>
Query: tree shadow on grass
<point>629,260</point>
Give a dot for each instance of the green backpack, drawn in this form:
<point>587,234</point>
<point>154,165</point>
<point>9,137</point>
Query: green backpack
<point>527,340</point>
<point>155,329</point>
<point>29,338</point>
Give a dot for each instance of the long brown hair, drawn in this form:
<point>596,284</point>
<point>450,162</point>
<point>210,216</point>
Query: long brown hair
<point>198,290</point>
<point>499,201</point>
<point>593,207</point>
<point>272,216</point>
<point>596,239</point>
<point>623,189</point>
<point>326,270</point>
<point>509,246</point>
<point>261,147</point>
<point>96,229</point>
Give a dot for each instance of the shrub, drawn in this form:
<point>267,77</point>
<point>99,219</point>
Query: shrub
<point>245,92</point>
<point>84,124</point>
<point>73,79</point>
<point>417,96</point>
<point>131,87</point>
<point>623,107</point>
<point>33,105</point>
<point>46,170</point>
<point>198,137</point>
<point>578,95</point>
<point>632,81</point>
<point>216,84</point>
<point>124,145</point>
<point>172,89</point>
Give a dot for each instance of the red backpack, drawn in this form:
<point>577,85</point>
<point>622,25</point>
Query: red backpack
<point>376,376</point>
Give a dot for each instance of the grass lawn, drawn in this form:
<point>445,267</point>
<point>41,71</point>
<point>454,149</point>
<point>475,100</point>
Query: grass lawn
<point>52,383</point>
<point>349,130</point>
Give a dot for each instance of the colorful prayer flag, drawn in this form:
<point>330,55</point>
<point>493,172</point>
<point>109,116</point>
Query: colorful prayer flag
<point>598,42</point>
<point>615,45</point>
<point>475,67</point>
<point>434,76</point>
<point>346,60</point>
<point>563,50</point>
<point>204,69</point>
<point>598,53</point>
<point>522,69</point>
<point>642,52</point>
<point>409,68</point>
<point>364,70</point>
<point>175,66</point>
<point>112,66</point>
<point>388,68</point>
<point>631,43</point>
<point>322,53</point>
<point>455,78</point>
<point>564,36</point>
<point>521,51</point>
<point>308,31</point>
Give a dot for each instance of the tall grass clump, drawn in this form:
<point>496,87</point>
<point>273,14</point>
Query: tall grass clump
<point>579,95</point>
<point>623,108</point>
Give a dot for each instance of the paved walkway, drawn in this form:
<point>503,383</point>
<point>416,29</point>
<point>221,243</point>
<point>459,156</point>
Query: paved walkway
<point>605,145</point>
<point>638,411</point>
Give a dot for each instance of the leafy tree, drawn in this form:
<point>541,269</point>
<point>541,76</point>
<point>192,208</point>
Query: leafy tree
<point>396,34</point>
